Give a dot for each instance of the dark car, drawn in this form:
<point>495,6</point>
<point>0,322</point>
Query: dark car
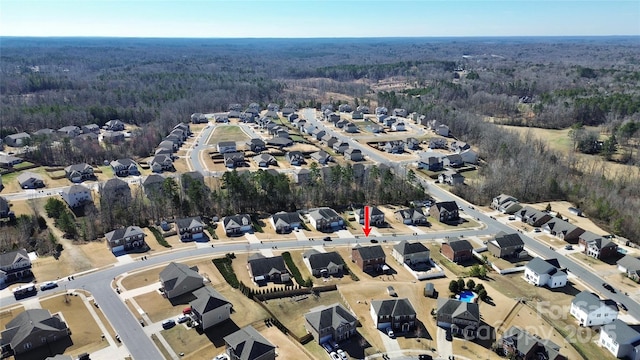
<point>622,306</point>
<point>425,357</point>
<point>608,287</point>
<point>374,241</point>
<point>168,324</point>
<point>327,238</point>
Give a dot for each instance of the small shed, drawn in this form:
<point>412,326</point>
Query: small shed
<point>429,290</point>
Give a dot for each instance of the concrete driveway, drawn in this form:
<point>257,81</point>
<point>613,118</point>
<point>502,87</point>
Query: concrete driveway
<point>445,348</point>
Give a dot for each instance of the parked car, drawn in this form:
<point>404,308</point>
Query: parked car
<point>182,318</point>
<point>334,356</point>
<point>568,247</point>
<point>343,355</point>
<point>168,324</point>
<point>536,230</point>
<point>186,310</point>
<point>334,344</point>
<point>221,357</point>
<point>512,217</point>
<point>327,347</point>
<point>622,306</point>
<point>374,241</point>
<point>608,287</point>
<point>327,238</point>
<point>48,285</point>
<point>390,333</point>
<point>425,357</point>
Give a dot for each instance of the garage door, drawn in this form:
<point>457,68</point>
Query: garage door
<point>116,249</point>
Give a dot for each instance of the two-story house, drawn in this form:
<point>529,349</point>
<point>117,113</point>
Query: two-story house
<point>410,253</point>
<point>506,204</point>
<point>445,211</point>
<point>209,308</point>
<point>411,216</point>
<point>597,246</point>
<point>397,314</point>
<point>457,250</point>
<point>14,265</point>
<point>463,318</point>
<point>548,273</point>
<point>31,329</point>
<point>191,228</point>
<point>590,310</point>
<point>125,167</point>
<point>505,245</point>
<point>622,340</point>
<point>178,279</point>
<point>368,258</point>
<point>519,344</point>
<point>325,219</point>
<point>333,322</point>
<point>237,224</point>
<point>124,239</point>
<point>79,172</point>
<point>248,344</point>
<point>76,195</point>
<point>376,217</point>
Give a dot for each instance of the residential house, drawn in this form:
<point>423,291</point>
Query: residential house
<point>256,145</point>
<point>289,113</point>
<point>345,108</point>
<point>457,250</point>
<point>469,156</point>
<point>233,160</point>
<point>125,167</point>
<point>285,222</point>
<point>185,127</point>
<point>322,157</point>
<point>533,217</point>
<point>387,121</point>
<point>463,318</point>
<point>125,239</point>
<point>268,269</point>
<point>453,160</point>
<point>622,340</point>
<point>221,117</point>
<point>76,195</point>
<point>70,131</point>
<point>333,322</point>
<point>630,265</point>
<point>209,308</point>
<point>280,142</point>
<point>17,140</point>
<point>412,143</point>
<point>234,114</point>
<point>169,145</point>
<point>445,211</point>
<point>299,123</point>
<point>442,130</point>
<point>90,128</point>
<point>329,140</point>
<point>14,265</point>
<point>432,163</point>
<point>79,172</point>
<point>237,224</point>
<point>357,115</point>
<point>374,128</point>
<point>438,143</point>
<point>318,134</point>
<point>191,228</point>
<point>114,125</point>
<point>506,204</point>
<point>394,147</point>
<point>459,146</point>
<point>325,219</point>
<point>398,126</point>
<point>596,246</point>
<point>224,147</point>
<point>9,161</point>
<point>376,217</point>
<point>397,314</point>
<point>324,264</point>
<point>294,158</point>
<point>116,137</point>
<point>198,118</point>
<point>301,175</point>
<point>152,185</point>
<point>590,310</point>
<point>340,124</point>
<point>332,117</point>
<point>353,154</point>
<point>5,209</point>
<point>363,108</point>
<point>517,343</point>
<point>451,177</point>
<point>411,216</point>
<point>410,253</point>
<point>264,160</point>
<point>30,180</point>
<point>340,146</point>
<point>563,230</point>
<point>351,128</point>
<point>46,132</point>
<point>160,163</point>
<point>548,273</point>
<point>400,112</point>
<point>505,245</point>
<point>368,258</point>
<point>248,344</point>
<point>32,329</point>
<point>178,279</point>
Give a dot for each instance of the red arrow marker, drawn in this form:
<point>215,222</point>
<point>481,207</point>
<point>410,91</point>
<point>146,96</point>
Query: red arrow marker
<point>367,221</point>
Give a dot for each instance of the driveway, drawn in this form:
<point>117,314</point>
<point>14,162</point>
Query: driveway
<point>445,348</point>
<point>390,345</point>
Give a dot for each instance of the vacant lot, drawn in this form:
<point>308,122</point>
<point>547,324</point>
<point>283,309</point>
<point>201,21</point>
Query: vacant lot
<point>227,133</point>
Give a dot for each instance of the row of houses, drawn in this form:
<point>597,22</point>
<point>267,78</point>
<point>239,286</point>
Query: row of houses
<point>71,131</point>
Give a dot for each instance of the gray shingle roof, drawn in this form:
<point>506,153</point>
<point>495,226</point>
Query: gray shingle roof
<point>630,263</point>
<point>30,321</point>
<point>175,273</point>
<point>456,308</point>
<point>330,317</point>
<point>370,252</point>
<point>286,218</point>
<point>189,222</point>
<point>459,244</point>
<point>588,301</point>
<point>393,307</point>
<point>261,265</point>
<point>123,233</point>
<point>9,258</point>
<point>524,342</point>
<point>506,240</point>
<point>207,299</point>
<point>248,344</point>
<point>412,214</point>
<point>447,205</point>
<point>541,266</point>
<point>621,332</point>
<point>319,260</point>
<point>405,248</point>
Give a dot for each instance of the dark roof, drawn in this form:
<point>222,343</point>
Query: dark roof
<point>393,307</point>
<point>9,258</point>
<point>122,233</point>
<point>153,179</point>
<point>447,205</point>
<point>31,321</point>
<point>456,308</point>
<point>176,273</point>
<point>320,260</point>
<point>4,205</point>
<point>77,167</point>
<point>459,244</point>
<point>75,189</point>
<point>525,342</point>
<point>370,252</point>
<point>234,221</point>
<point>286,218</point>
<point>323,213</point>
<point>541,266</point>
<point>506,240</point>
<point>248,344</point>
<point>404,247</point>
<point>261,265</point>
<point>207,299</point>
<point>115,183</point>
<point>330,317</point>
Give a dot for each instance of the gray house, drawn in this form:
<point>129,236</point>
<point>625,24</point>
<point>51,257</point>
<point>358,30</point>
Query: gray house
<point>353,154</point>
<point>294,158</point>
<point>124,239</point>
<point>461,317</point>
<point>411,216</point>
<point>324,264</point>
<point>333,322</point>
<point>237,224</point>
<point>33,328</point>
<point>397,314</point>
<point>209,308</point>
<point>79,172</point>
<point>248,344</point>
<point>322,157</point>
<point>268,269</point>
<point>191,228</point>
<point>285,222</point>
<point>30,180</point>
<point>125,167</point>
<point>410,253</point>
<point>17,140</point>
<point>178,279</point>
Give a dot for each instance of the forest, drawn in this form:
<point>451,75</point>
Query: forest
<point>471,84</point>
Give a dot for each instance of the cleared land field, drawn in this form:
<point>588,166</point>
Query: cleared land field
<point>227,133</point>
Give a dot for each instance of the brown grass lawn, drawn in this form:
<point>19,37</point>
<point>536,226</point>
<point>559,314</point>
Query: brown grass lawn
<point>291,312</point>
<point>22,207</point>
<point>7,314</point>
<point>98,254</point>
<point>48,268</point>
<point>142,278</point>
<point>160,346</point>
<point>227,133</point>
<point>287,348</point>
<point>181,165</point>
<point>159,308</point>
<point>86,334</point>
<point>506,264</point>
<point>105,322</point>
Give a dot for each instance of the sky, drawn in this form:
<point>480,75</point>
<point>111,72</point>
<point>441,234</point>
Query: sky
<point>318,18</point>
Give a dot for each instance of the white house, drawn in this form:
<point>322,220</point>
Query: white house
<point>398,126</point>
<point>14,265</point>
<point>548,273</point>
<point>621,340</point>
<point>76,195</point>
<point>590,310</point>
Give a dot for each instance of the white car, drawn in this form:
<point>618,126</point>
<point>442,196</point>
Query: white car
<point>182,318</point>
<point>48,285</point>
<point>335,356</point>
<point>343,355</point>
<point>221,357</point>
<point>390,333</point>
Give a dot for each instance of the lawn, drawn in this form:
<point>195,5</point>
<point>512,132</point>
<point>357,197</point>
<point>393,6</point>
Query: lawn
<point>7,314</point>
<point>159,308</point>
<point>142,278</point>
<point>227,133</point>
